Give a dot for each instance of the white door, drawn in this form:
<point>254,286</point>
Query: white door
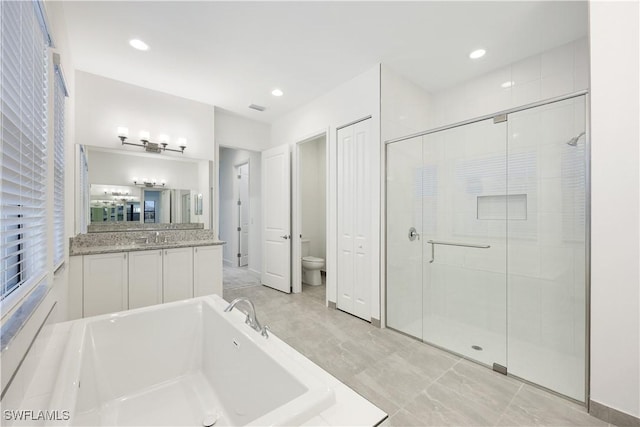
<point>243,214</point>
<point>354,219</point>
<point>276,236</point>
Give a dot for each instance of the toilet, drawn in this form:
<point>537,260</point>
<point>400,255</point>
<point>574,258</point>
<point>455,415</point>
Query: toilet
<point>310,265</point>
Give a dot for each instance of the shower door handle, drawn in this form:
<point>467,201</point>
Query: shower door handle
<point>464,245</point>
<point>413,234</point>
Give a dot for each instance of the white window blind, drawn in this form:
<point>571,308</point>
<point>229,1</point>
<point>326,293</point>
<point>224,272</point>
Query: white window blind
<point>59,94</point>
<point>23,162</point>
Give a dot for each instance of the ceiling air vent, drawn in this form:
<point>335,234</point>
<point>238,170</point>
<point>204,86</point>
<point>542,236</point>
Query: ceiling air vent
<point>257,107</point>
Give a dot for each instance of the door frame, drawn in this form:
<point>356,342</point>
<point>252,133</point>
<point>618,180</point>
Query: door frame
<point>296,210</point>
<point>236,196</point>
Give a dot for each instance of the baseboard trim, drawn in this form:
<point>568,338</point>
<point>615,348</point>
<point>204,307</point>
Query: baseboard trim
<point>228,263</point>
<point>332,305</point>
<point>612,416</point>
<point>375,322</point>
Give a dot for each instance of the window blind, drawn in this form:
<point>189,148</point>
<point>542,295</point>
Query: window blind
<point>59,94</point>
<point>23,161</point>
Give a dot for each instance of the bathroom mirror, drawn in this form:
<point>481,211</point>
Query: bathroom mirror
<point>143,188</point>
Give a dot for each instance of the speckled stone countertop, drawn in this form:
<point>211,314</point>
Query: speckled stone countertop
<point>104,243</point>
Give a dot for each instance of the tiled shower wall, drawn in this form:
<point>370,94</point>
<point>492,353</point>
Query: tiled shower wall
<point>553,73</point>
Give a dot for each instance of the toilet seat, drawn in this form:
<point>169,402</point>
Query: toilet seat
<point>312,259</point>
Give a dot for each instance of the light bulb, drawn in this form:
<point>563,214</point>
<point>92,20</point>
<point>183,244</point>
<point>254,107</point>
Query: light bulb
<point>479,53</point>
<point>144,135</point>
<point>122,131</point>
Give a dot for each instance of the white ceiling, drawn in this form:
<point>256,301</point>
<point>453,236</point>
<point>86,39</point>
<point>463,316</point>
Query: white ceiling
<point>232,54</point>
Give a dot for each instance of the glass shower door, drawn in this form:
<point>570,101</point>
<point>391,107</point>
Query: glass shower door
<point>404,226</point>
<point>464,240</point>
<point>547,247</point>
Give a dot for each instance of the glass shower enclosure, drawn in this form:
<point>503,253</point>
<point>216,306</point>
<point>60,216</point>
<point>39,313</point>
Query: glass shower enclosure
<point>486,242</point>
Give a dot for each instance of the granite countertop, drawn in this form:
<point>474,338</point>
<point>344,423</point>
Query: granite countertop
<point>130,247</point>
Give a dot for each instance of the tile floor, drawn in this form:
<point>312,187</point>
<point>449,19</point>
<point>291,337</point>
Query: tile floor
<point>238,277</point>
<point>416,384</point>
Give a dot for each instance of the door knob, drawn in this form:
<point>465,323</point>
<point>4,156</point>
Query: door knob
<point>413,234</point>
<point>285,237</point>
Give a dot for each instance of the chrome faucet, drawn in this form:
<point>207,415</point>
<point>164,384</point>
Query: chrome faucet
<point>157,237</point>
<point>252,319</point>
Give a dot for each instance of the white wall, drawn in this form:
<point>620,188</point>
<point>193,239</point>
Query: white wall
<point>236,131</point>
<point>313,192</point>
<point>353,100</point>
<point>229,158</point>
<point>406,107</point>
<point>615,256</point>
<point>556,72</point>
<point>103,105</point>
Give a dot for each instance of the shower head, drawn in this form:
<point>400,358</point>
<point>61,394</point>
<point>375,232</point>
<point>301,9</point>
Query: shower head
<point>574,141</point>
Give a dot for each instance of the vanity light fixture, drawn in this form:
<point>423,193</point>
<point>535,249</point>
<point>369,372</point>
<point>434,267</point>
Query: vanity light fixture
<point>149,182</point>
<point>151,147</point>
<point>478,53</point>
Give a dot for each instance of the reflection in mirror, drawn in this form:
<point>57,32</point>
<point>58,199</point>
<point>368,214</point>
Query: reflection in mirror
<point>121,192</point>
<point>112,203</point>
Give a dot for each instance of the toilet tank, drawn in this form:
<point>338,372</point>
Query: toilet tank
<point>305,246</point>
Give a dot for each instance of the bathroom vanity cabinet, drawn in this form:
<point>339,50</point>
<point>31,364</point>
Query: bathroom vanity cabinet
<point>111,282</point>
<point>207,270</point>
<point>145,278</point>
<point>105,283</point>
<point>177,274</point>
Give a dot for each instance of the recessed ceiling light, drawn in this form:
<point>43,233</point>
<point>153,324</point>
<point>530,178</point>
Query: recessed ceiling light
<point>479,53</point>
<point>507,84</point>
<point>277,92</point>
<point>138,44</point>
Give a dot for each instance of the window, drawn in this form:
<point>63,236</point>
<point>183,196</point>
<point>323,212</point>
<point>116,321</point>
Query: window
<point>59,94</point>
<point>23,160</point>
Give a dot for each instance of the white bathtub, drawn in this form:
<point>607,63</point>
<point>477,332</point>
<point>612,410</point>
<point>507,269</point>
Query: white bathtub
<point>175,363</point>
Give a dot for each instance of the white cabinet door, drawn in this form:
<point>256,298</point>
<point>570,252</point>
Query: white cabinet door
<point>207,270</point>
<point>145,278</point>
<point>177,274</point>
<point>105,283</point>
<point>354,219</point>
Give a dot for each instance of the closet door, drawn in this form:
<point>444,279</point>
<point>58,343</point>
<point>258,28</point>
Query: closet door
<point>354,151</point>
